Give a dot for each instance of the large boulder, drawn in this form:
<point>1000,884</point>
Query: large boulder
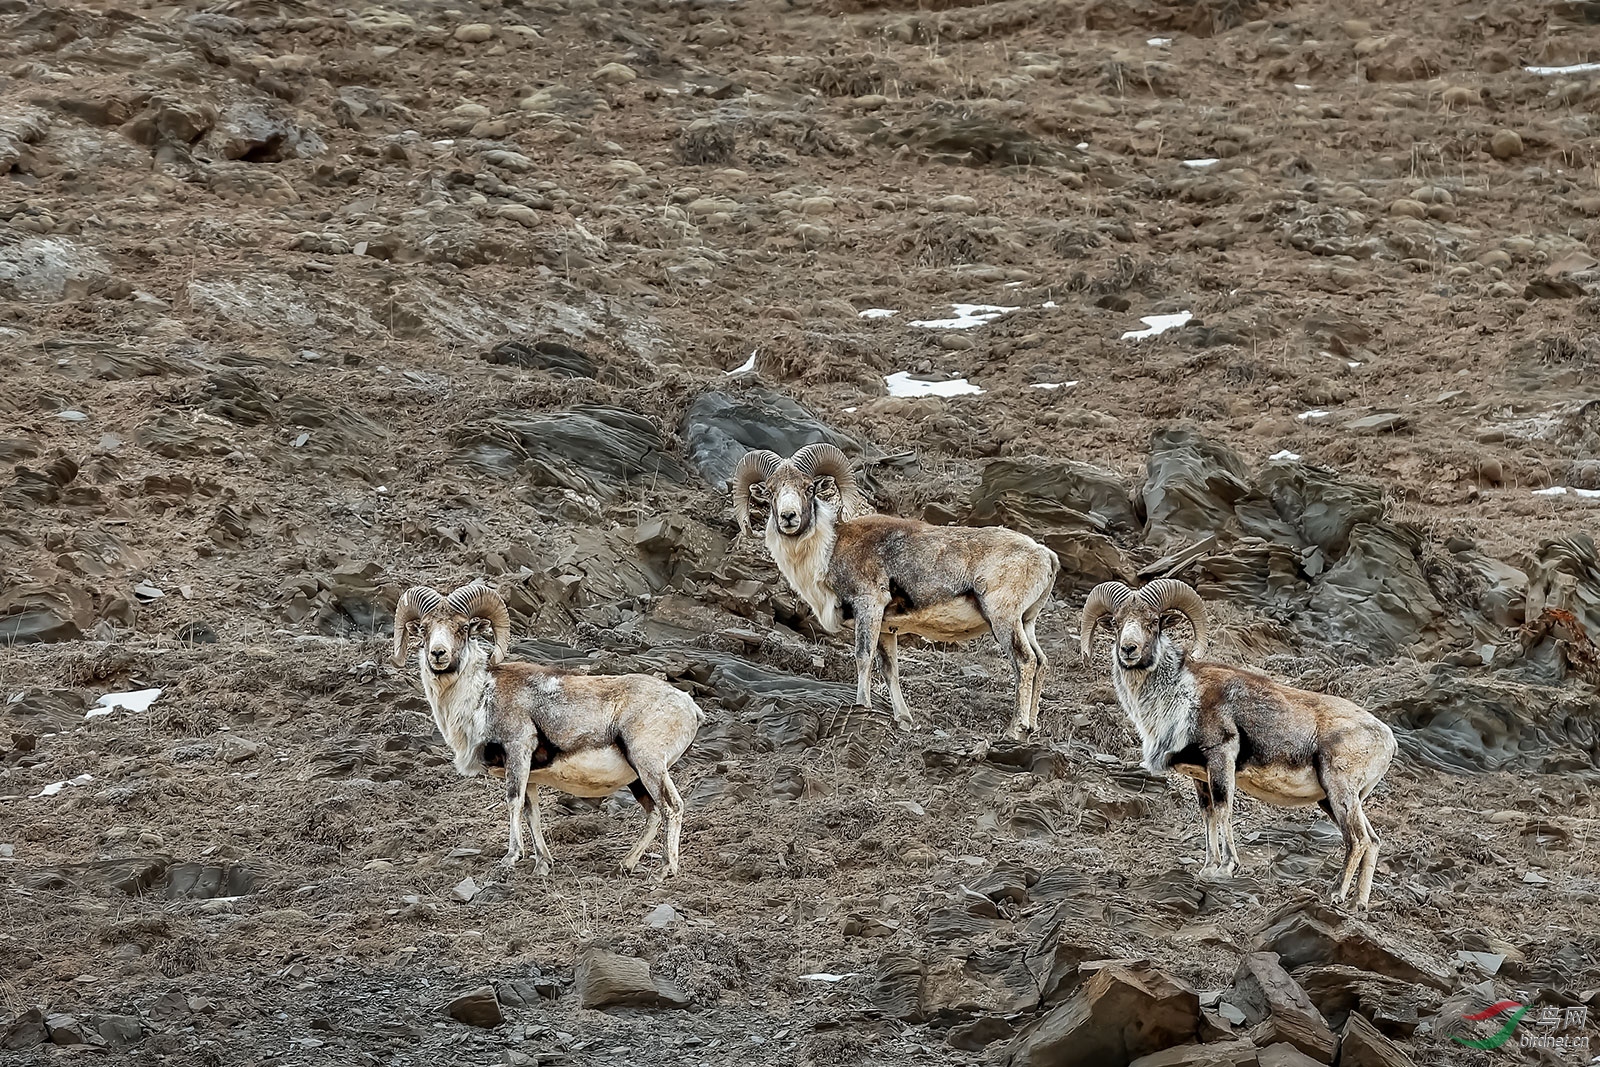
<point>589,448</point>
<point>1278,1010</point>
<point>1376,597</point>
<point>1361,1045</point>
<point>609,980</point>
<point>1315,935</point>
<point>1126,1009</point>
<point>1034,494</point>
<point>719,428</point>
<point>1191,486</point>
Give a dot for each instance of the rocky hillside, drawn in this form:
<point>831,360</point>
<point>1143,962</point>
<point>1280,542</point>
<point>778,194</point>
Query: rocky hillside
<point>301,305</point>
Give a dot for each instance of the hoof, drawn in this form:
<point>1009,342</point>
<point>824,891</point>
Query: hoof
<point>509,860</point>
<point>541,868</point>
<point>1218,872</point>
<point>905,724</point>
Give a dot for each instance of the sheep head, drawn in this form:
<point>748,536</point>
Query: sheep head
<point>1139,618</point>
<point>792,491</point>
<point>446,626</point>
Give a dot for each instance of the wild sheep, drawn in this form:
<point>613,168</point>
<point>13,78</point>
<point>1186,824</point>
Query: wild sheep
<point>894,576</point>
<point>584,735</point>
<point>1224,725</point>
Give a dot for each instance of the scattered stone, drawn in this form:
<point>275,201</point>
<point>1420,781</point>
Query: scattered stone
<point>1410,209</point>
<point>1285,1055</point>
<point>465,890</point>
<point>614,74</point>
<point>1505,144</point>
<point>26,1031</point>
<point>474,32</point>
<point>1123,1011</point>
<point>236,749</point>
<point>607,979</point>
<point>557,357</point>
<point>481,1007</point>
<point>1382,422</point>
<point>719,428</point>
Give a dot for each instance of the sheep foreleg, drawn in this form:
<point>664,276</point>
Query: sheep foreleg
<point>869,625</point>
<point>541,850</point>
<point>519,762</point>
<point>1221,859</point>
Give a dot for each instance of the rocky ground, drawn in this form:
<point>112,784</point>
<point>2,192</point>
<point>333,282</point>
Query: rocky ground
<point>305,304</point>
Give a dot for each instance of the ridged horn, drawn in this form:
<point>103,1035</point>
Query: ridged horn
<point>1104,600</point>
<point>478,601</point>
<point>753,468</point>
<point>820,460</point>
<point>418,601</point>
<point>1169,594</point>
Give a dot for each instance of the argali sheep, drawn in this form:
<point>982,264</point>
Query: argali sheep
<point>1225,726</point>
<point>894,576</point>
<point>586,735</point>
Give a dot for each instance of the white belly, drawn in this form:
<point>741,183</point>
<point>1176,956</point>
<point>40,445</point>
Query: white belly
<point>955,621</point>
<point>592,773</point>
<point>1277,786</point>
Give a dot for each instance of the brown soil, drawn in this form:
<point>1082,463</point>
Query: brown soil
<point>265,249</point>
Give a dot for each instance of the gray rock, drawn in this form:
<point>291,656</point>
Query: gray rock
<point>263,133</point>
<point>24,1032</point>
<point>719,428</point>
<point>204,881</point>
<point>1318,506</point>
<point>481,1007</point>
<point>1191,486</point>
<point>235,749</point>
<point>1284,1054</point>
<point>1048,494</point>
<point>1377,596</point>
<point>1391,1004</point>
<point>556,357</point>
<point>118,1030</point>
<point>607,979</point>
<point>1382,422</point>
<point>1125,1010</point>
<point>34,613</point>
<point>589,449</point>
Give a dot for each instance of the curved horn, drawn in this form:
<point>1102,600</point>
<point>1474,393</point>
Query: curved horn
<point>754,467</point>
<point>1169,594</point>
<point>478,601</point>
<point>418,601</point>
<point>821,460</point>
<point>1104,599</point>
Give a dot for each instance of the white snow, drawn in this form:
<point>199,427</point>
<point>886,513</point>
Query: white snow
<point>71,415</point>
<point>746,367</point>
<point>1157,324</point>
<point>1576,68</point>
<point>1083,146</point>
<point>1049,304</point>
<point>1313,414</point>
<point>825,977</point>
<point>1297,85</point>
<point>1159,42</point>
<point>1054,385</point>
<point>1200,164</point>
<point>1563,490</point>
<point>55,787</point>
<point>879,313</point>
<point>967,316</point>
<point>135,701</point>
<point>1285,454</point>
<point>902,384</point>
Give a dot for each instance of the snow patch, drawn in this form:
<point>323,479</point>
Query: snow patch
<point>967,316</point>
<point>746,367</point>
<point>1313,414</point>
<point>1159,42</point>
<point>1576,68</point>
<point>135,701</point>
<point>879,313</point>
<point>1054,385</point>
<point>903,384</point>
<point>55,787</point>
<point>1200,164</point>
<point>825,977</point>
<point>1285,454</point>
<point>1157,324</point>
<point>1563,490</point>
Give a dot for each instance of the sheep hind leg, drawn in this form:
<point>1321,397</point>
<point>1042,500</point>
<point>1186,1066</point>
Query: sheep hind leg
<point>1343,805</point>
<point>656,782</point>
<point>889,652</point>
<point>869,630</point>
<point>652,825</point>
<point>1025,669</point>
<point>1037,696</point>
<point>1202,794</point>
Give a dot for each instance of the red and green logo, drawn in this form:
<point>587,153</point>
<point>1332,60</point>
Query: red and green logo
<point>1493,1011</point>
